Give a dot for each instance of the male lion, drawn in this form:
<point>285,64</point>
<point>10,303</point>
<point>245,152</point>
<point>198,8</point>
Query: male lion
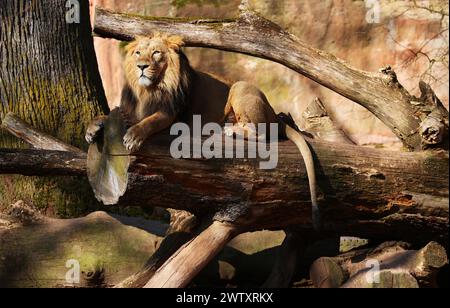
<point>162,88</point>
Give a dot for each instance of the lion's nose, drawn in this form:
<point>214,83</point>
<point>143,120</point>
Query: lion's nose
<point>143,67</point>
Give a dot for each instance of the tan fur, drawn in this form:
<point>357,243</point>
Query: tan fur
<point>170,72</point>
<point>176,90</point>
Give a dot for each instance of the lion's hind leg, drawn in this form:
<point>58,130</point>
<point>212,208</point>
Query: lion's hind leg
<point>250,107</point>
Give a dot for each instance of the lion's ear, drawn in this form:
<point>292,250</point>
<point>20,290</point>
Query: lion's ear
<point>175,42</point>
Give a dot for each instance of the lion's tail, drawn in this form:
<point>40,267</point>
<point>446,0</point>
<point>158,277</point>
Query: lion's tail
<point>296,137</point>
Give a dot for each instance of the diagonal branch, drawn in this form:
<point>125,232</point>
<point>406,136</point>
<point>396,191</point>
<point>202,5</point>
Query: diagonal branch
<point>34,137</point>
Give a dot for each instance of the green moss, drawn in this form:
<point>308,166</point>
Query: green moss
<point>97,243</point>
<point>218,23</point>
<point>57,196</point>
<point>182,3</point>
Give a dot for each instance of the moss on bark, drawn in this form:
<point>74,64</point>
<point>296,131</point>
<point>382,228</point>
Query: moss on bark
<point>49,78</point>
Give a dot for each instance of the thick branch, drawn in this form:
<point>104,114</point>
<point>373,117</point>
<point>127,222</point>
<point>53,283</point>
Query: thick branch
<point>36,138</point>
<point>254,35</point>
<point>321,126</point>
<point>369,191</point>
<point>191,258</point>
<point>361,187</point>
<point>41,162</point>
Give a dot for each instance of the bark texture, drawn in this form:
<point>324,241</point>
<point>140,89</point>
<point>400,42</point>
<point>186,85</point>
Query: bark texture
<point>49,75</point>
<point>49,78</point>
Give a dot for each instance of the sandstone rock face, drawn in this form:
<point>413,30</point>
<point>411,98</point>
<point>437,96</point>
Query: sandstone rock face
<point>411,36</point>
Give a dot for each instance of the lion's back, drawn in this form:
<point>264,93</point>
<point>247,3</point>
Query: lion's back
<point>209,96</point>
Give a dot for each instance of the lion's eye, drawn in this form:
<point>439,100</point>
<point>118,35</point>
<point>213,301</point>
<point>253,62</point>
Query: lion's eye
<point>137,52</point>
<point>157,55</point>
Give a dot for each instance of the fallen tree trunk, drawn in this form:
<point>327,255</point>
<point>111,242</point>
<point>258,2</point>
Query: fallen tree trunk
<point>365,192</point>
<point>418,122</point>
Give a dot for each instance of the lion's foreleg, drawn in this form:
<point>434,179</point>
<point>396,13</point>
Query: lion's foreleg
<point>94,128</point>
<point>138,133</point>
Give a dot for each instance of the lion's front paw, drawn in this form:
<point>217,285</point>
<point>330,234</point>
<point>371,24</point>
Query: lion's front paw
<point>93,131</point>
<point>134,138</point>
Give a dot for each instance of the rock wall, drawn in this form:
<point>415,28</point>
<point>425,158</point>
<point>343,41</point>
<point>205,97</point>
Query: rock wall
<point>411,36</point>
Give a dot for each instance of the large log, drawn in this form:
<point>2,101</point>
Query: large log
<point>418,122</point>
<point>364,192</point>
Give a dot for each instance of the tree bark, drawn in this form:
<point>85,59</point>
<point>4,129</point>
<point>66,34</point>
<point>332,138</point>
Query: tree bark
<point>179,270</point>
<point>35,138</point>
<point>49,75</point>
<point>42,162</point>
<point>49,78</point>
<point>251,34</point>
<point>318,123</point>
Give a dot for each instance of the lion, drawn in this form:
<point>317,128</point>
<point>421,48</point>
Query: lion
<point>162,88</point>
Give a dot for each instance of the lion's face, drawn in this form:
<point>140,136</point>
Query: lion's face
<point>147,59</point>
